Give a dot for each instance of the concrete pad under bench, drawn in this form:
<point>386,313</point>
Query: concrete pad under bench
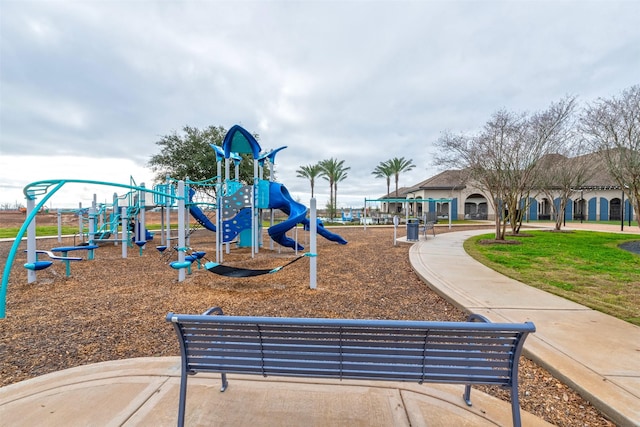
<point>144,392</point>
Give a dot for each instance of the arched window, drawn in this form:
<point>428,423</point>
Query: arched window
<point>442,209</point>
<point>544,209</point>
<point>419,207</point>
<point>475,207</point>
<point>615,213</point>
<point>579,209</point>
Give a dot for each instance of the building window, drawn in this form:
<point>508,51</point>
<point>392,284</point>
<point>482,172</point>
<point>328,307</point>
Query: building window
<point>443,210</point>
<point>615,213</point>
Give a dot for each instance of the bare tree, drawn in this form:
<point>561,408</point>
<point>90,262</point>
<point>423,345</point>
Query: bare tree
<point>564,169</point>
<point>503,158</point>
<point>562,178</point>
<point>612,128</point>
<point>471,154</point>
<point>497,162</point>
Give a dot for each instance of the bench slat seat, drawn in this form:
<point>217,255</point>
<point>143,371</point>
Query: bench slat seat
<point>418,351</point>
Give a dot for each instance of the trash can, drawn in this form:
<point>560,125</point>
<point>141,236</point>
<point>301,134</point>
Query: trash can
<point>413,225</point>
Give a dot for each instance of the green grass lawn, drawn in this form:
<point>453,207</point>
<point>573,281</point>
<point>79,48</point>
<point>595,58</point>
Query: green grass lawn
<point>48,230</point>
<point>52,230</point>
<point>582,266</point>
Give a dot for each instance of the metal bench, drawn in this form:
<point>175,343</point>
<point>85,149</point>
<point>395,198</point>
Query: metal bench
<point>472,352</point>
<point>429,225</point>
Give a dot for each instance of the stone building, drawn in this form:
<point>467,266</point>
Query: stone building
<point>599,199</point>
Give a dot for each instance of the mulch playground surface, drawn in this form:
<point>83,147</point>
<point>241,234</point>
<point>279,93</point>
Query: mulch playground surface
<point>114,308</point>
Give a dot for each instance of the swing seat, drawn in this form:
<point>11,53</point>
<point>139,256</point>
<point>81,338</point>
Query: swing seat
<point>38,265</point>
<point>224,270</point>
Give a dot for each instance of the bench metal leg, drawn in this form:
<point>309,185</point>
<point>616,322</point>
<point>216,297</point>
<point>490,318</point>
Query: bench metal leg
<point>515,406</point>
<point>183,400</point>
<point>224,382</point>
<point>467,395</point>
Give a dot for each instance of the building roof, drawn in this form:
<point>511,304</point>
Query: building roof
<point>452,179</point>
<point>400,194</point>
<point>600,178</point>
<point>455,179</point>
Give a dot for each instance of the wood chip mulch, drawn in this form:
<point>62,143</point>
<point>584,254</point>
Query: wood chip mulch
<point>114,308</point>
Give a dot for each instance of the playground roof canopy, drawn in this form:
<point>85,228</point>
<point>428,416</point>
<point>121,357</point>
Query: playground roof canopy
<point>271,155</point>
<point>239,140</point>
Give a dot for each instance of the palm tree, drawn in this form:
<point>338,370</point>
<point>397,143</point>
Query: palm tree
<point>333,171</point>
<point>341,175</point>
<point>383,170</point>
<point>310,172</point>
<point>399,165</point>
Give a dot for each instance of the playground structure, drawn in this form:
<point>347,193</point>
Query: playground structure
<point>119,222</point>
<point>237,212</point>
<point>47,188</point>
<point>238,205</point>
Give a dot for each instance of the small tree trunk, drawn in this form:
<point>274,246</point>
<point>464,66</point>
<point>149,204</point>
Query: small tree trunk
<point>498,208</point>
<point>501,225</point>
<point>560,215</point>
<point>498,227</point>
<point>513,218</point>
<point>517,222</point>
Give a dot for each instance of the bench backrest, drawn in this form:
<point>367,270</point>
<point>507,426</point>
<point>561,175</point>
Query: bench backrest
<point>418,351</point>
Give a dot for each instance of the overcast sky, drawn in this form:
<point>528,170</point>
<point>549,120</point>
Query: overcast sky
<point>88,87</point>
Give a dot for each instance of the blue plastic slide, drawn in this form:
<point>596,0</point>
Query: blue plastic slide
<point>279,198</point>
<point>324,232</point>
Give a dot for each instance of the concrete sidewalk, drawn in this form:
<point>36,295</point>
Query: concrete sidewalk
<point>144,392</point>
<point>596,354</point>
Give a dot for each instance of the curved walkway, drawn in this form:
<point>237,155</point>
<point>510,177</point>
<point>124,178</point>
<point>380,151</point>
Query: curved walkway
<point>596,354</point>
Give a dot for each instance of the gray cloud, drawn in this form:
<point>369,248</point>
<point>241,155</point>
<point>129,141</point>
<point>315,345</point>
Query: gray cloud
<point>361,81</point>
